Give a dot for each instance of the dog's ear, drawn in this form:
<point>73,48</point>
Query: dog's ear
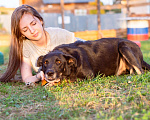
<point>70,60</point>
<point>39,61</point>
<point>70,65</point>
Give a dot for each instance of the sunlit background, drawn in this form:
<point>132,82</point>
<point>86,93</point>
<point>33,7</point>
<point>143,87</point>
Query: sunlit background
<point>118,18</point>
<point>15,3</point>
<point>9,3</point>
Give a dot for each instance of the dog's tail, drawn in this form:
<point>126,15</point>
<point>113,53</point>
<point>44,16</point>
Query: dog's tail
<point>145,65</point>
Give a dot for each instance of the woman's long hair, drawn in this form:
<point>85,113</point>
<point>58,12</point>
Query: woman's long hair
<point>16,46</point>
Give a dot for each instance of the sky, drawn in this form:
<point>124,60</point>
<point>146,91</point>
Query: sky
<point>15,3</point>
<point>9,3</point>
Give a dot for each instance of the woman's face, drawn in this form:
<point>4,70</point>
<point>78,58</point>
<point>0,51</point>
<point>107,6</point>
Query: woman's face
<point>31,27</point>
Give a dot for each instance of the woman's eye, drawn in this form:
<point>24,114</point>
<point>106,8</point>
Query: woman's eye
<point>25,30</point>
<point>34,23</point>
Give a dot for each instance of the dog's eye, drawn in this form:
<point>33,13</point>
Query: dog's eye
<point>58,62</point>
<point>46,62</point>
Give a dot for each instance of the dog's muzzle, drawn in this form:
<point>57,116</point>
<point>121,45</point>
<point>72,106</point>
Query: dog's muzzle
<point>51,78</point>
<point>50,75</point>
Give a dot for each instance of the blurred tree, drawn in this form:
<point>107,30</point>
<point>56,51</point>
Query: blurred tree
<point>117,1</point>
<point>95,11</point>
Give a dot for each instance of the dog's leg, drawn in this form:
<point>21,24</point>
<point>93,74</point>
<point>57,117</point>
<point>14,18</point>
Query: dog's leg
<point>122,67</point>
<point>131,59</point>
<point>131,71</point>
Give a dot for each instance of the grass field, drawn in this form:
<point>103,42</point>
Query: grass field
<point>114,98</point>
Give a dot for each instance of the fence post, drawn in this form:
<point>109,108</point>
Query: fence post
<point>62,13</point>
<point>98,20</point>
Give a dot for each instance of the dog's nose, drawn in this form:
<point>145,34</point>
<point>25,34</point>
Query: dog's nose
<point>50,73</point>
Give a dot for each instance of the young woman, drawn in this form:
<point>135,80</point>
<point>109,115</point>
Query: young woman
<point>29,40</point>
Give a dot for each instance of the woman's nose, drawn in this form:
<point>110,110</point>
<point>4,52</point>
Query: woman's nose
<point>31,29</point>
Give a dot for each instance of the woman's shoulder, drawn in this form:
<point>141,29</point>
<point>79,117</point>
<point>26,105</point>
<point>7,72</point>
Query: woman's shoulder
<point>26,42</point>
<point>55,30</point>
<point>52,28</point>
<point>27,45</point>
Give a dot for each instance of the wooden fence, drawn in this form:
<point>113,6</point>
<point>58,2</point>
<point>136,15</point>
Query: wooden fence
<point>86,35</point>
<point>93,35</point>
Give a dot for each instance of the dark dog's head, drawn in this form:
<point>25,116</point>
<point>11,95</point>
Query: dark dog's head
<point>56,65</point>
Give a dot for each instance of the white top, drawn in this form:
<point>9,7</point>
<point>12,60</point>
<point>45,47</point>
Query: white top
<point>58,36</point>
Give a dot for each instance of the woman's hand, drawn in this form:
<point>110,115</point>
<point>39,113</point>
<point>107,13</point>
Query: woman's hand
<point>42,75</point>
<point>30,81</point>
<point>26,73</point>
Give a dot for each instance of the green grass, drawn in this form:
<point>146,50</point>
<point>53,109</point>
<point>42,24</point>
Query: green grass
<point>115,98</point>
<point>5,51</point>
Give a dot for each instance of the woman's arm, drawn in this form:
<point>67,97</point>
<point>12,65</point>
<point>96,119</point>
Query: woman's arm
<point>26,72</point>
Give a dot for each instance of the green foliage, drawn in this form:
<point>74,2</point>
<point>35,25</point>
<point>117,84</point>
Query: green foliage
<point>5,51</point>
<point>3,13</point>
<point>1,26</point>
<point>114,10</point>
<point>115,98</point>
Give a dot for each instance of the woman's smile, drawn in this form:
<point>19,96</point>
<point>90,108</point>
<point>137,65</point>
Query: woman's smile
<point>36,34</point>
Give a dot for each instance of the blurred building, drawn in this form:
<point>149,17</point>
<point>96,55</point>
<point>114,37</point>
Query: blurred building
<point>76,13</point>
<point>5,17</point>
<point>53,6</point>
<point>136,6</point>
